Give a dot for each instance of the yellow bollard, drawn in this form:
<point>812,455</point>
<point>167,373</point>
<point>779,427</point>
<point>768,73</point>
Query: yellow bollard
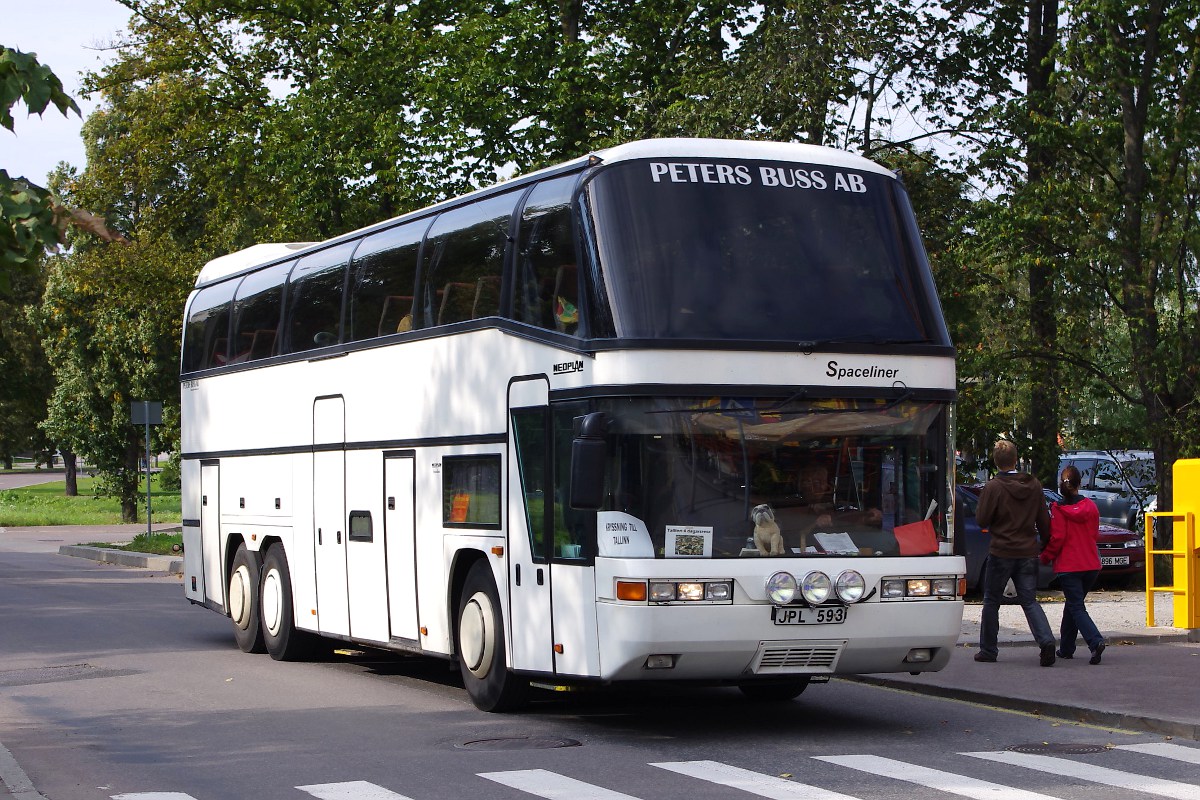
<point>1185,571</point>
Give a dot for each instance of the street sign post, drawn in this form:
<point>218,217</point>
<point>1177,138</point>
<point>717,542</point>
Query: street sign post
<point>147,413</point>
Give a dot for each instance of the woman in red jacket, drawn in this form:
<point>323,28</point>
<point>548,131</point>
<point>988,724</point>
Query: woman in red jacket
<point>1074,529</point>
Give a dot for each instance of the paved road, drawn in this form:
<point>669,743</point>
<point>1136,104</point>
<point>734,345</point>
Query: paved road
<point>17,480</point>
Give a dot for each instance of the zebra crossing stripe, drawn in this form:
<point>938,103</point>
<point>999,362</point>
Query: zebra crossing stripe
<point>1094,774</point>
<point>933,778</point>
<point>153,796</point>
<point>1177,752</point>
<point>350,790</point>
<point>753,782</point>
<point>553,786</point>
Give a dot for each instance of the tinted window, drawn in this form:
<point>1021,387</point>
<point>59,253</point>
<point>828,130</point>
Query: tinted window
<point>315,298</point>
<point>546,280</point>
<point>529,429</point>
<point>471,491</point>
<point>463,262</point>
<point>382,279</point>
<point>206,336</point>
<point>758,250</point>
<point>256,312</point>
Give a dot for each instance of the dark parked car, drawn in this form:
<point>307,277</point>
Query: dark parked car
<point>1122,483</point>
<point>1122,552</point>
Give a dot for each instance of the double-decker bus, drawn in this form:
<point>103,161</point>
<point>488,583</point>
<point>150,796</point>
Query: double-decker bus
<point>679,410</point>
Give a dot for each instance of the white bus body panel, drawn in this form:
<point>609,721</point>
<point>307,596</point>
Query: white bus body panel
<point>366,561</point>
<point>329,516</point>
<point>724,641</point>
<point>400,529</point>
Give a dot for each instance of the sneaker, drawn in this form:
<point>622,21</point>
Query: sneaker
<point>1099,651</point>
<point>1061,654</point>
<point>984,657</point>
<point>1047,655</point>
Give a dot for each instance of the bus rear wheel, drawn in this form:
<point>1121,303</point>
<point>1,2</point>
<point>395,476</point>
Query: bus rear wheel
<point>775,691</point>
<point>283,640</point>
<point>244,601</point>
<point>481,654</point>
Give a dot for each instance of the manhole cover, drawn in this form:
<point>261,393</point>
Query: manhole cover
<point>517,743</point>
<point>1055,747</point>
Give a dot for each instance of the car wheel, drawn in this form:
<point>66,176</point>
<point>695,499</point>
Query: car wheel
<point>481,653</point>
<point>244,601</point>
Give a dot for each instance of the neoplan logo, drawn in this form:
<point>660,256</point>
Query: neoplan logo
<point>568,366</point>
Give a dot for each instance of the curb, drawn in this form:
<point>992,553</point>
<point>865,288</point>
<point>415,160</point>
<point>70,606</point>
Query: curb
<point>1089,716</point>
<point>123,558</point>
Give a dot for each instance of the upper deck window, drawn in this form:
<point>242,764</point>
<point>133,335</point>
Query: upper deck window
<point>256,311</point>
<point>382,281</point>
<point>757,250</point>
<point>315,298</point>
<point>546,278</point>
<point>463,260</point>
<point>206,336</point>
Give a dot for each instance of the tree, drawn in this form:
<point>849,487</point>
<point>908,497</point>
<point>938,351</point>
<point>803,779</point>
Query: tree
<point>27,214</point>
<point>113,315</point>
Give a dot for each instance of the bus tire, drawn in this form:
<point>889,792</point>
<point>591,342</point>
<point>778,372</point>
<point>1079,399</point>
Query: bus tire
<point>481,653</point>
<point>774,691</point>
<point>244,601</point>
<point>282,639</point>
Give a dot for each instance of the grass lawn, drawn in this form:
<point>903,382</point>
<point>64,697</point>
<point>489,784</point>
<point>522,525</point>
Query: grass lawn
<point>45,504</point>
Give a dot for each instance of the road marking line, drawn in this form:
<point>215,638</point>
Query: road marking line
<point>1178,752</point>
<point>350,790</point>
<point>1094,774</point>
<point>757,783</point>
<point>553,786</point>
<point>934,778</point>
<point>153,796</point>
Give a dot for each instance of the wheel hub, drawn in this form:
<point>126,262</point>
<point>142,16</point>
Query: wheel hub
<point>239,593</point>
<point>272,602</point>
<point>476,638</point>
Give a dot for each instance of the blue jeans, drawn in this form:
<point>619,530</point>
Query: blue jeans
<point>1075,619</point>
<point>1024,573</point>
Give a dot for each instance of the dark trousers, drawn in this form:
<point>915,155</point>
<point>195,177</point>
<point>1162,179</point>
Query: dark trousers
<point>1024,572</point>
<point>1075,619</point>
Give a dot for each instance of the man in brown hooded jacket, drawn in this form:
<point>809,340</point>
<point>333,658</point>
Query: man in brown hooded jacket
<point>1013,510</point>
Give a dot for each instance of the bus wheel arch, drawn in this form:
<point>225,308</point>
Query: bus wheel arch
<point>245,572</point>
<point>479,644</point>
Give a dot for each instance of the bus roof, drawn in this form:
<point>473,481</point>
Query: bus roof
<point>261,254</point>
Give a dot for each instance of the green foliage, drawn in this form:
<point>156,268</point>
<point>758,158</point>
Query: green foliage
<point>27,219</point>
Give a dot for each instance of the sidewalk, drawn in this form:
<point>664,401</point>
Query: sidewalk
<point>73,540</point>
<point>1146,681</point>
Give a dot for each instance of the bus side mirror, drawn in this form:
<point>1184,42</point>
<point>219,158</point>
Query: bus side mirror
<point>588,454</point>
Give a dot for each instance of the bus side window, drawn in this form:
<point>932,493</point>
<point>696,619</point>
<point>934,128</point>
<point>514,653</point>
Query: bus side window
<point>206,335</point>
<point>382,278</point>
<point>463,255</point>
<point>256,313</point>
<point>314,317</point>
<point>545,285</point>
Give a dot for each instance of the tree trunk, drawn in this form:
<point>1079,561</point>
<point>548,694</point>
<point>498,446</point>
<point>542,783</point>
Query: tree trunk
<point>1044,404</point>
<point>129,483</point>
<point>71,478</point>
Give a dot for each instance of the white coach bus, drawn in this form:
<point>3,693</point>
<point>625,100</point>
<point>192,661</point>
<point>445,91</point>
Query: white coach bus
<point>678,410</point>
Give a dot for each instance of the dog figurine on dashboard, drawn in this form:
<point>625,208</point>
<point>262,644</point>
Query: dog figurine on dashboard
<point>767,537</point>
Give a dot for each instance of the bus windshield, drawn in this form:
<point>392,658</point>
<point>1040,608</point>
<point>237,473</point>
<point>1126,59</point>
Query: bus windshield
<point>838,477</point>
<point>756,250</point>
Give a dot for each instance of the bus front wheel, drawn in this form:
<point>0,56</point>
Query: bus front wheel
<point>481,658</point>
<point>775,691</point>
<point>282,639</point>
<point>243,601</point>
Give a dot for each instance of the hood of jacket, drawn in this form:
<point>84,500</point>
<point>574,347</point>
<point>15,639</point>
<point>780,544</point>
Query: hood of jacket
<point>1076,512</point>
<point>1019,486</point>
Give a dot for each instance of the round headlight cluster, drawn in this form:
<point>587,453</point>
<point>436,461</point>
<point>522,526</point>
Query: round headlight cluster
<point>816,587</point>
<point>781,588</point>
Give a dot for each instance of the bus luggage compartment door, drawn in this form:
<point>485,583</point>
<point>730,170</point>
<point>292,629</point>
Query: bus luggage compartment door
<point>329,514</point>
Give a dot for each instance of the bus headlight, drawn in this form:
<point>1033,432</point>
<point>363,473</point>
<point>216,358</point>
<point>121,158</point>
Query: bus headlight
<point>815,588</point>
<point>850,586</point>
<point>690,591</point>
<point>781,588</point>
<point>945,587</point>
<point>662,592</point>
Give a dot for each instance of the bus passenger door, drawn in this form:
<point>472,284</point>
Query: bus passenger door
<point>399,524</point>
<point>530,504</point>
<point>329,514</point>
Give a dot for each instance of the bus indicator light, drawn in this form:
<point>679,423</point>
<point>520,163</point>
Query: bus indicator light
<point>631,590</point>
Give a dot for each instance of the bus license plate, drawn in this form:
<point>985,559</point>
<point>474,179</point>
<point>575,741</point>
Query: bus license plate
<point>1114,561</point>
<point>808,616</point>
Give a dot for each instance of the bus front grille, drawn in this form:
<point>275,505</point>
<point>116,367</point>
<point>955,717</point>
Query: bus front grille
<point>785,657</point>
